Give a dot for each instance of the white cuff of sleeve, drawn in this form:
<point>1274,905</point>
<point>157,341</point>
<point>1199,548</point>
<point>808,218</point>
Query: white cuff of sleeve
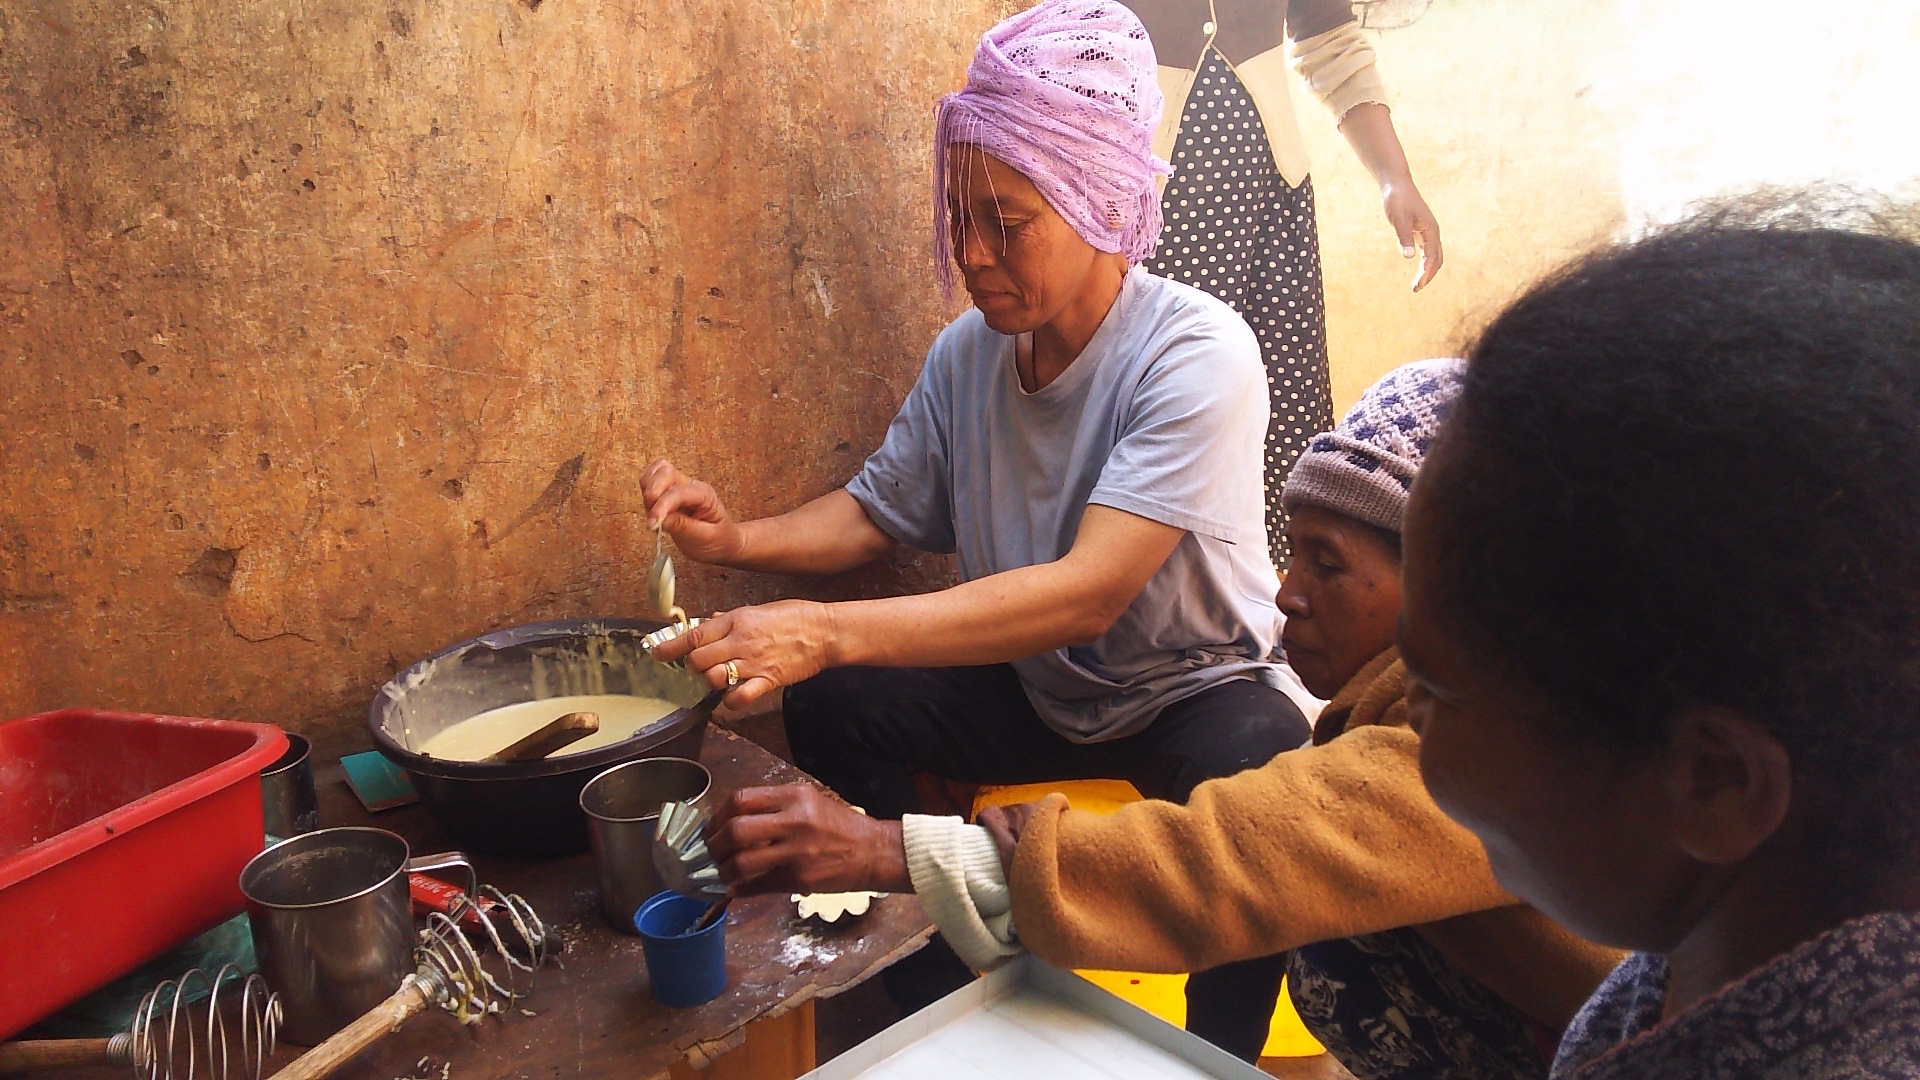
<point>1338,66</point>
<point>957,874</point>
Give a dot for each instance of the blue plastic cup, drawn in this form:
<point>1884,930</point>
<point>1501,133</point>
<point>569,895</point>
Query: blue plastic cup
<point>685,968</point>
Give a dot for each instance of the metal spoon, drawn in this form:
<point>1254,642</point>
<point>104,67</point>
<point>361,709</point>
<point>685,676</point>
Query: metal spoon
<point>660,582</point>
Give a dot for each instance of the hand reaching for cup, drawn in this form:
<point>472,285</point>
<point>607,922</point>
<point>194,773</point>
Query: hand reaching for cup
<point>799,839</point>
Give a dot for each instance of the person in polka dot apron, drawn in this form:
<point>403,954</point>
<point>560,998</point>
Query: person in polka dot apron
<point>1239,206</point>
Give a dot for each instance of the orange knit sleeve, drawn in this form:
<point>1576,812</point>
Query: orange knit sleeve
<point>1322,842</point>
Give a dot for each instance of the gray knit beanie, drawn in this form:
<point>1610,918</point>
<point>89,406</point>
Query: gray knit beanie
<point>1364,468</point>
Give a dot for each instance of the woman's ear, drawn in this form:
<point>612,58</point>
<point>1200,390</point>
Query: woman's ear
<point>1730,783</point>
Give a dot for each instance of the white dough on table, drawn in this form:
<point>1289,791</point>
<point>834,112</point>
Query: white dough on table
<point>828,907</point>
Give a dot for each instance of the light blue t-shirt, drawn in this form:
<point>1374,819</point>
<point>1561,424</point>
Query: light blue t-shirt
<point>1163,415</point>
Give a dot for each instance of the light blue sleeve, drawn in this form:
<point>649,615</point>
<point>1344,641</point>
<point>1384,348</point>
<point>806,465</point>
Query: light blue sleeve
<point>906,487</point>
<point>1190,453</point>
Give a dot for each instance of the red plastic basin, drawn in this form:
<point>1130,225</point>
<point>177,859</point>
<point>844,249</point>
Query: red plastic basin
<point>121,834</point>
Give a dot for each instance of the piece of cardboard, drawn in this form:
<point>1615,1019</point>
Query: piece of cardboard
<point>1031,1020</point>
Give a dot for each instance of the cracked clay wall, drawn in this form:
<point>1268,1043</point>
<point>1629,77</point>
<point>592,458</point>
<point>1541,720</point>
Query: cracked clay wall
<point>333,332</point>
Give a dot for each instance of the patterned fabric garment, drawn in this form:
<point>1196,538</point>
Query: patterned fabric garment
<point>1235,229</point>
<point>1844,1005</point>
<point>1389,1006</point>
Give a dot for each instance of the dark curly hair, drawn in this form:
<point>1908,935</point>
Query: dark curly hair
<point>1685,471</point>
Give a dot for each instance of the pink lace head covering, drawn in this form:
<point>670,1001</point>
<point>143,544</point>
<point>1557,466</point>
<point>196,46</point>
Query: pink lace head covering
<point>1065,92</point>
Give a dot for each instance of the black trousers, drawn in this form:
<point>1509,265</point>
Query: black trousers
<point>865,731</point>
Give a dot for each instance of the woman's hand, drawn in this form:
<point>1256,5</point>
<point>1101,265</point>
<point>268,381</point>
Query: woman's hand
<point>690,512</point>
<point>799,839</point>
<point>752,651</point>
<point>1369,128</point>
<point>1416,227</point>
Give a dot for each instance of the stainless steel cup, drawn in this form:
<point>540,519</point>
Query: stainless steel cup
<point>287,793</point>
<point>622,805</point>
<point>332,924</point>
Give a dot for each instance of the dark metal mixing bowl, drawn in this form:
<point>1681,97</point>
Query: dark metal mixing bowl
<point>531,808</point>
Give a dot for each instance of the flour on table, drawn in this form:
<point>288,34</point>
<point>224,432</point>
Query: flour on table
<point>801,947</point>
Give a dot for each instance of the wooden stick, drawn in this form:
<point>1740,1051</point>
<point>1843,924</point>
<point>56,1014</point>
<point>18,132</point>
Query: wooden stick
<point>550,736</point>
<point>714,910</point>
<point>60,1054</point>
<point>375,1024</point>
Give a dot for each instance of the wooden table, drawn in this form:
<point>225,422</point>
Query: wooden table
<point>593,1015</point>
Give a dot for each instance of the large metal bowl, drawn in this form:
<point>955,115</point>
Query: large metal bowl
<point>531,808</point>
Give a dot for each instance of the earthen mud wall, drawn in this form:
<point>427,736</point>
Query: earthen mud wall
<point>334,332</point>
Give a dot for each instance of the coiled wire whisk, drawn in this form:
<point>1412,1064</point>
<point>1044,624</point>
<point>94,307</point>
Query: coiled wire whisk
<point>449,973</point>
<point>167,1021</point>
<point>472,992</point>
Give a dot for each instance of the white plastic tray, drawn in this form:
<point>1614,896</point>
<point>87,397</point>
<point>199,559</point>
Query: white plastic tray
<point>1031,1020</point>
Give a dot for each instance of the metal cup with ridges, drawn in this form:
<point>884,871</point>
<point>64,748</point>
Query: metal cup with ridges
<point>665,634</point>
<point>680,853</point>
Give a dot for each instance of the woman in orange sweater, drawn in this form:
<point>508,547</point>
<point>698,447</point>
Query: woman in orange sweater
<point>1409,959</point>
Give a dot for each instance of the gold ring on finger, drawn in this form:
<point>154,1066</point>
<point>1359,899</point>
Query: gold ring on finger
<point>733,674</point>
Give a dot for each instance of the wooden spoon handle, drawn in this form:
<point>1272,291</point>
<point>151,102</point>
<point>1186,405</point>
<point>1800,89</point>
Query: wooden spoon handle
<point>549,737</point>
<point>714,911</point>
<point>31,1056</point>
<point>374,1024</point>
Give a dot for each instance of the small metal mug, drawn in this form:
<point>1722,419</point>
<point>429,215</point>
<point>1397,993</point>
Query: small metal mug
<point>333,925</point>
<point>622,806</point>
<point>287,794</point>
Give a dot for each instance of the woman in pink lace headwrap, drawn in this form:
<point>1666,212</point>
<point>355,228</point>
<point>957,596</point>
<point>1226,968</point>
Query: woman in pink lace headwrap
<point>1065,95</point>
<point>1087,441</point>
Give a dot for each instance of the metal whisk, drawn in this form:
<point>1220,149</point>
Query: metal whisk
<point>166,1022</point>
<point>260,1025</point>
<point>153,1051</point>
<point>471,992</point>
<point>450,974</point>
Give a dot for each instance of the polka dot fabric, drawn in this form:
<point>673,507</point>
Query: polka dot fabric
<point>1235,229</point>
